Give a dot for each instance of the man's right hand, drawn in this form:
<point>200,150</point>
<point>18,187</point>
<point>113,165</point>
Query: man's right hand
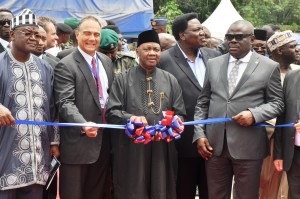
<point>139,119</point>
<point>6,119</point>
<point>204,148</point>
<point>90,131</point>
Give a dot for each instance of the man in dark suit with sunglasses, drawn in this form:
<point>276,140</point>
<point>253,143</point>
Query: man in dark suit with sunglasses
<point>244,86</point>
<point>5,23</point>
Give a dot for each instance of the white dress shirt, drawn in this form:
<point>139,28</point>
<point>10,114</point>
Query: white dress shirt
<point>242,66</point>
<point>102,74</point>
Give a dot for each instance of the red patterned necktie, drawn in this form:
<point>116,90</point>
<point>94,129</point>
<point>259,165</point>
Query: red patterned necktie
<point>99,88</point>
<point>97,78</point>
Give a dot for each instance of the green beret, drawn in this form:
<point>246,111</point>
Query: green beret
<point>72,22</point>
<point>109,40</point>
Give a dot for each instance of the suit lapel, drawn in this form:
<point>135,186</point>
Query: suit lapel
<point>253,63</point>
<point>205,56</point>
<point>185,67</point>
<point>84,68</point>
<point>223,72</point>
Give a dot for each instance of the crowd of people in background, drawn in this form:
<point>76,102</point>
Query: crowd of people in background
<point>83,71</point>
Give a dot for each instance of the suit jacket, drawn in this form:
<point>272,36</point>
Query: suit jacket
<point>259,91</point>
<point>52,60</point>
<point>173,61</point>
<point>65,52</point>
<point>77,99</point>
<point>285,137</point>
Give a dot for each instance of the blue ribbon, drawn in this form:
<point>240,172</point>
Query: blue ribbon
<point>115,126</point>
<point>29,122</point>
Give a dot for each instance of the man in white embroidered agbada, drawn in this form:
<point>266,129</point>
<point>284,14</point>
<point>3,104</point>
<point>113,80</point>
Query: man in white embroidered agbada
<point>25,94</point>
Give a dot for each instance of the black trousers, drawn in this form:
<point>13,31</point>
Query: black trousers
<point>293,176</point>
<point>85,180</point>
<point>34,191</point>
<point>191,173</point>
<point>220,171</point>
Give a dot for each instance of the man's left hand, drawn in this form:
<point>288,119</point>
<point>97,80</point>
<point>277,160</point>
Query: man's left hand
<point>54,150</point>
<point>244,118</point>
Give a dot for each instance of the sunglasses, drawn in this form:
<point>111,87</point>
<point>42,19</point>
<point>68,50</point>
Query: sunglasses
<point>237,37</point>
<point>3,22</point>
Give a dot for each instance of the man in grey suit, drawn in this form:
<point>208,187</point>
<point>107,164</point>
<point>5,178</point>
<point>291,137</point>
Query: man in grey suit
<point>245,86</point>
<point>81,87</point>
<point>187,62</point>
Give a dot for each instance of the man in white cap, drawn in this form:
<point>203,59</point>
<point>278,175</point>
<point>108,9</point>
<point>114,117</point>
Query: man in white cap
<point>25,94</point>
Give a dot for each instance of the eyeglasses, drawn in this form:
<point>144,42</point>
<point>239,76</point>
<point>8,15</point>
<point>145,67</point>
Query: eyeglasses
<point>30,34</point>
<point>4,21</point>
<point>238,37</point>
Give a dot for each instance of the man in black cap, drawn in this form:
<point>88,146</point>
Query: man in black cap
<point>63,32</point>
<point>159,24</point>
<point>260,42</point>
<point>26,94</point>
<point>143,93</point>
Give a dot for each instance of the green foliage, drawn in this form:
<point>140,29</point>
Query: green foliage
<point>170,10</point>
<point>284,13</point>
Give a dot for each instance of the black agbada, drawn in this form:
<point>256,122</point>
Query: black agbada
<point>143,171</point>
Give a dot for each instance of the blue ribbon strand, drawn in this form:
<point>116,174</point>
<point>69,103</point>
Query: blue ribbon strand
<point>115,126</point>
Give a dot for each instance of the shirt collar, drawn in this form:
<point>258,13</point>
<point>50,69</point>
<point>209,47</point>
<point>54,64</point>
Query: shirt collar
<point>86,56</point>
<point>245,59</point>
<point>198,53</point>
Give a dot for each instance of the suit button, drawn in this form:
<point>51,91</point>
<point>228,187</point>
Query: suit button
<point>228,101</point>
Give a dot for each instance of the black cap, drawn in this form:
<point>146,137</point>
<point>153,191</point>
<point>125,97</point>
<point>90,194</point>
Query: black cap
<point>113,27</point>
<point>64,28</point>
<point>260,34</point>
<point>148,36</point>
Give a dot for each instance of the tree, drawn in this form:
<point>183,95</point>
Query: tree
<point>284,13</point>
<point>169,10</point>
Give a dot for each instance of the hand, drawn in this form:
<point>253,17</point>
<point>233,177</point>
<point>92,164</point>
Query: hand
<point>244,118</point>
<point>6,119</point>
<point>204,148</point>
<point>139,119</point>
<point>297,126</point>
<point>54,150</point>
<point>278,165</point>
<point>90,131</point>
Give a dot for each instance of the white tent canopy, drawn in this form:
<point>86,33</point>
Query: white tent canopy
<point>220,20</point>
